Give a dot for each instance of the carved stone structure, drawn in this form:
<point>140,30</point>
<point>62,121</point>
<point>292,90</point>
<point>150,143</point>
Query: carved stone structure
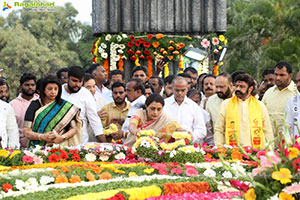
<point>179,17</point>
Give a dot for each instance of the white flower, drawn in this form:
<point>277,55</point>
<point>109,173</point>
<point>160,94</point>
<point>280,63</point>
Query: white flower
<point>172,154</point>
<point>103,45</point>
<point>228,146</point>
<point>29,153</point>
<point>145,143</point>
<point>116,58</point>
<point>108,37</point>
<point>202,152</point>
<point>133,150</point>
<point>275,197</point>
<point>20,184</point>
<point>90,157</point>
<point>31,184</point>
<point>46,180</point>
<point>104,55</point>
<point>122,46</point>
<point>55,146</point>
<point>124,57</point>
<point>109,148</point>
<point>217,165</point>
<point>124,35</point>
<point>100,50</point>
<point>119,38</point>
<point>271,153</point>
<point>227,174</point>
<point>120,156</point>
<point>104,157</point>
<point>120,51</point>
<point>209,173</point>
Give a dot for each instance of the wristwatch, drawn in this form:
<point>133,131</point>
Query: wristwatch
<point>64,137</point>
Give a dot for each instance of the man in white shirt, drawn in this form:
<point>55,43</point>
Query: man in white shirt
<point>82,98</point>
<point>9,131</point>
<point>135,91</point>
<point>185,111</point>
<point>100,74</point>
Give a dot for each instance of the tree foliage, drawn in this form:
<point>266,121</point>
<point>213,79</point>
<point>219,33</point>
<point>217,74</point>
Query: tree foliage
<point>262,33</point>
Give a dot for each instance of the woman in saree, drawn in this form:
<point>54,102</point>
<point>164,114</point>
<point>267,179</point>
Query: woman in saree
<point>50,119</point>
<point>152,117</point>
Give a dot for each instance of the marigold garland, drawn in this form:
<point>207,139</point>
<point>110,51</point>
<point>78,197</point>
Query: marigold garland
<point>149,67</point>
<point>180,188</point>
<point>121,64</point>
<point>106,66</point>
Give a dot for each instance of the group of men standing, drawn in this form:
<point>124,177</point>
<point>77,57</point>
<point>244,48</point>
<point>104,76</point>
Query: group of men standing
<point>216,110</point>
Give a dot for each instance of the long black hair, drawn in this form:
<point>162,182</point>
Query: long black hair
<point>51,79</point>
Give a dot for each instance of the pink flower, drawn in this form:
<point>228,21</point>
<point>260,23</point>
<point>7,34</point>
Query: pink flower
<point>176,171</point>
<point>163,171</point>
<point>292,189</point>
<point>38,160</point>
<point>265,162</point>
<point>205,43</point>
<point>260,153</point>
<point>27,159</point>
<point>258,170</point>
<point>160,153</point>
<point>216,51</point>
<point>191,171</point>
<point>28,153</point>
<point>159,166</point>
<point>215,41</point>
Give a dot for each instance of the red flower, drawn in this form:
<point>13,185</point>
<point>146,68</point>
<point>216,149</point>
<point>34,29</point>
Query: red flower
<point>53,158</point>
<point>146,52</point>
<point>137,43</point>
<point>149,58</point>
<point>132,38</point>
<point>186,141</point>
<point>141,56</point>
<point>55,150</point>
<point>129,44</point>
<point>163,171</point>
<point>76,157</point>
<point>63,156</point>
<point>94,59</point>
<point>138,52</point>
<point>141,40</point>
<point>133,58</point>
<point>147,44</point>
<point>150,36</point>
<point>118,196</point>
<point>72,151</point>
<point>130,52</point>
<point>6,187</point>
<point>130,156</point>
<point>191,171</point>
<point>195,145</point>
<point>27,159</point>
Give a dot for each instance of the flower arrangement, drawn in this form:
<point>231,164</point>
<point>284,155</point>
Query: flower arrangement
<point>112,49</point>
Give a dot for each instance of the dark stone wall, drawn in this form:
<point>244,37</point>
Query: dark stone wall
<point>178,17</point>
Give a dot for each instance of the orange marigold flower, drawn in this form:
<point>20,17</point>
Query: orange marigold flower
<point>159,35</point>
<point>61,179</point>
<point>75,179</point>
<point>161,50</point>
<point>105,176</point>
<point>236,155</point>
<point>64,169</point>
<point>165,53</point>
<point>171,42</point>
<point>90,176</point>
<point>175,52</point>
<point>155,44</point>
<point>55,172</point>
<point>171,48</point>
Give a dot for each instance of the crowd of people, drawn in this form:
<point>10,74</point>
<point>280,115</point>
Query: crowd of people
<point>75,106</point>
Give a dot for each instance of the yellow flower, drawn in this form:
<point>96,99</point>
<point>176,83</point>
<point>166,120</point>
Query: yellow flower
<point>131,174</point>
<point>225,41</point>
<point>284,196</point>
<point>221,38</point>
<point>4,153</point>
<point>119,171</point>
<point>283,175</point>
<point>250,194</point>
<point>293,152</point>
<point>15,152</point>
<point>148,170</point>
<point>188,37</point>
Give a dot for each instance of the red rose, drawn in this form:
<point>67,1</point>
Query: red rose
<point>138,52</point>
<point>129,44</point>
<point>147,44</point>
<point>146,52</point>
<point>141,56</point>
<point>149,58</point>
<point>150,36</point>
<point>6,187</point>
<point>137,43</point>
<point>133,58</point>
<point>132,38</point>
<point>131,52</point>
<point>53,158</point>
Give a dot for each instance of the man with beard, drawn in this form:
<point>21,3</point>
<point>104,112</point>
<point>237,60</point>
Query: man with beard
<point>4,90</point>
<point>243,119</point>
<point>209,88</point>
<point>276,98</point>
<point>224,89</point>
<point>100,74</point>
<point>83,99</point>
<point>21,103</point>
<point>117,110</point>
<point>193,74</point>
<point>268,77</point>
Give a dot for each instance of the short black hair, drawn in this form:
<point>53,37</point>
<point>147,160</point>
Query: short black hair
<point>190,69</point>
<point>154,98</point>
<point>88,77</point>
<point>117,84</point>
<point>169,79</point>
<point>4,82</point>
<point>58,73</point>
<point>236,73</point>
<point>184,75</point>
<point>139,68</point>
<point>92,68</point>
<point>116,72</point>
<point>207,76</point>
<point>193,92</point>
<point>226,75</point>
<point>138,85</point>
<point>26,77</point>
<point>283,64</point>
<point>246,78</point>
<point>76,71</point>
<point>149,86</point>
<point>160,81</point>
<point>267,71</point>
<point>50,79</point>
